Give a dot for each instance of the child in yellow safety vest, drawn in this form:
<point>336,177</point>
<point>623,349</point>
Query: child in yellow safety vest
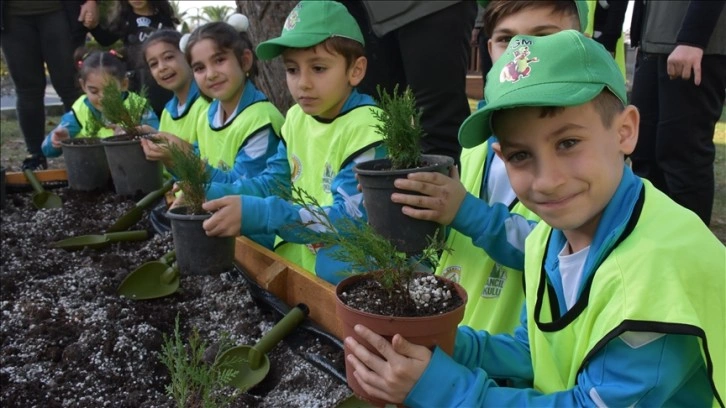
<point>95,70</point>
<point>623,287</point>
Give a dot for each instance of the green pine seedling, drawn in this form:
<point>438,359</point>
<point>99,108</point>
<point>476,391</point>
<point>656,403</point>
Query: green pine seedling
<point>400,127</point>
<point>191,171</point>
<point>195,382</point>
<point>125,114</point>
<point>364,249</point>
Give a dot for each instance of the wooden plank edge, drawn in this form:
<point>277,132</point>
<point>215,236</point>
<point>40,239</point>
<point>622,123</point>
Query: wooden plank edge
<point>290,283</point>
<point>44,176</point>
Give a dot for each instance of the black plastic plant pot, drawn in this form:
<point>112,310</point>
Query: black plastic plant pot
<point>2,187</point>
<point>196,253</point>
<point>132,174</point>
<point>376,179</point>
<point>86,164</point>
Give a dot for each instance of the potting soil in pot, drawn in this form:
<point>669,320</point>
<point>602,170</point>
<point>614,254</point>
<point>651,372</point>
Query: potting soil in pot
<point>69,341</point>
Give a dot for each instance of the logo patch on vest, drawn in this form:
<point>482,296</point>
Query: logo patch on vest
<point>452,273</point>
<point>296,169</point>
<point>495,282</point>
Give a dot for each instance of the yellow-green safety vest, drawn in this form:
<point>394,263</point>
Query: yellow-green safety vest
<point>220,146</point>
<point>316,152</point>
<point>185,126</point>
<point>669,272</point>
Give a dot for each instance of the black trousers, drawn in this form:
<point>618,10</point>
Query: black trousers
<point>675,149</point>
<point>430,55</point>
<point>29,42</point>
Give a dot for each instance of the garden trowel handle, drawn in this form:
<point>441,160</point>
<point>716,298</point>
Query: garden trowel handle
<point>138,235</point>
<point>168,258</point>
<point>33,180</point>
<point>292,319</point>
<point>155,195</point>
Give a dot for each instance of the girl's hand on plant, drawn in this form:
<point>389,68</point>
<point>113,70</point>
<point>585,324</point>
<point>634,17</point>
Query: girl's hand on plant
<point>441,199</point>
<point>392,377</point>
<point>154,151</point>
<point>59,135</point>
<point>227,218</point>
<point>117,130</point>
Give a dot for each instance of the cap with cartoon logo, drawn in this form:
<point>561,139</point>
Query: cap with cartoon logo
<point>310,23</point>
<point>583,11</point>
<point>562,69</point>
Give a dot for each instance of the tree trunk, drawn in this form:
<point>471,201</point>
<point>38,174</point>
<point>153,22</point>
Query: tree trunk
<point>266,20</point>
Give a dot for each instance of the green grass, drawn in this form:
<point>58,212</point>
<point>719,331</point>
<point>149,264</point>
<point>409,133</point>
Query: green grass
<point>12,145</point>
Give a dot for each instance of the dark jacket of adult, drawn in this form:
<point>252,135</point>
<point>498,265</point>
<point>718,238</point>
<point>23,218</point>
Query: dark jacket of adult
<point>659,26</point>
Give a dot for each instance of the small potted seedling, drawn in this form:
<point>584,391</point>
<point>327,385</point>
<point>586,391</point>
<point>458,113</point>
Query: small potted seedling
<point>130,170</point>
<point>196,253</point>
<point>85,158</point>
<point>400,127</point>
<point>387,291</point>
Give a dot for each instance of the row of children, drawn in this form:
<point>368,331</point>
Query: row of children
<point>623,298</point>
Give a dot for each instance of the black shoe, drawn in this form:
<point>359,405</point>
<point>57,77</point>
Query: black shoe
<point>35,162</point>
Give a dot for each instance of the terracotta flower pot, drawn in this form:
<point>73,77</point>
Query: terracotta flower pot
<point>436,330</point>
<point>376,181</point>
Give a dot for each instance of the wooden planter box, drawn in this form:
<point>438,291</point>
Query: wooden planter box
<point>17,178</point>
<point>290,283</point>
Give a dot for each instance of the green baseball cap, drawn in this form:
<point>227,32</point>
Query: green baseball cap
<point>310,23</point>
<point>561,69</point>
<point>582,11</point>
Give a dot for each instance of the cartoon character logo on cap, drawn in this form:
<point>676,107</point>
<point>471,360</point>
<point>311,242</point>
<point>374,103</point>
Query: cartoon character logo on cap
<point>518,67</point>
<point>293,18</point>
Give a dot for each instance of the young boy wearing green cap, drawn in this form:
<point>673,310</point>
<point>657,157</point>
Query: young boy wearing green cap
<point>492,277</point>
<point>624,288</point>
<point>328,131</point>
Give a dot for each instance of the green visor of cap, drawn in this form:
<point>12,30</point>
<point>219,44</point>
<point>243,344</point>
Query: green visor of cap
<point>274,47</point>
<point>477,128</point>
<point>561,69</point>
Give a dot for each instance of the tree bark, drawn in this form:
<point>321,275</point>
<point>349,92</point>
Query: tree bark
<point>266,20</point>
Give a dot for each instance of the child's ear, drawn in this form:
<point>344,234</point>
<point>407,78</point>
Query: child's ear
<point>82,83</point>
<point>124,84</point>
<point>498,150</point>
<point>357,71</point>
<point>627,123</point>
<point>247,60</point>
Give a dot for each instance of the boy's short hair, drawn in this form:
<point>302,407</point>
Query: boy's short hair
<point>558,70</point>
<point>311,23</point>
<point>498,9</point>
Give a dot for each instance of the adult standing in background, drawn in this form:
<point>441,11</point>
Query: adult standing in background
<point>36,34</point>
<point>423,45</point>
<point>678,87</point>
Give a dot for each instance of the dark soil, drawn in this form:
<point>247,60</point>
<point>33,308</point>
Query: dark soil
<point>427,295</point>
<point>68,340</point>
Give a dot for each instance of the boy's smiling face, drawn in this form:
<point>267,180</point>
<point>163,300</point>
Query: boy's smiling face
<point>565,167</point>
<point>320,81</point>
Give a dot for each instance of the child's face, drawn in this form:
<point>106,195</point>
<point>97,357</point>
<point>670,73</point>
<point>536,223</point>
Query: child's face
<point>93,86</point>
<point>139,5</point>
<point>534,21</point>
<point>565,167</point>
<point>168,66</point>
<point>319,81</point>
<point>218,72</point>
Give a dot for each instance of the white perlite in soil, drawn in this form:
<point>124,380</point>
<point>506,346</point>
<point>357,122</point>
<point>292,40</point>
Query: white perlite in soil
<point>69,341</point>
